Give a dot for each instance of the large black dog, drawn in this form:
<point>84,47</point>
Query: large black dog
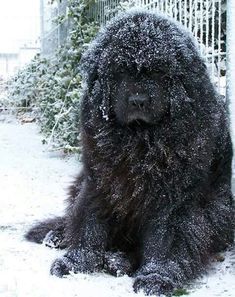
<point>153,199</point>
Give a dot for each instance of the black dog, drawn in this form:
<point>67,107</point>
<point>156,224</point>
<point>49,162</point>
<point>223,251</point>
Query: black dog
<point>154,196</point>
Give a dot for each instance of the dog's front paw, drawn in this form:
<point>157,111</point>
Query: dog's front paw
<point>62,266</point>
<point>117,264</point>
<point>54,239</point>
<point>152,284</point>
<point>75,261</point>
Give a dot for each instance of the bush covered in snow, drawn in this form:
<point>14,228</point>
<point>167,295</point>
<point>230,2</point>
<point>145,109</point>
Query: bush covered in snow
<point>53,85</point>
<point>23,87</point>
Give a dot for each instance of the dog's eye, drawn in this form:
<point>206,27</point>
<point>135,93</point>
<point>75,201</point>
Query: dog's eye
<point>158,74</point>
<point>122,70</point>
<point>120,74</point>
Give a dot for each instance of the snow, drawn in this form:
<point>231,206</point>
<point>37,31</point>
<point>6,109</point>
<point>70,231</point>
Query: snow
<point>33,186</point>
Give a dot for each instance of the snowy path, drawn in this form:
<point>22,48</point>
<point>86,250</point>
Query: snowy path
<point>33,184</point>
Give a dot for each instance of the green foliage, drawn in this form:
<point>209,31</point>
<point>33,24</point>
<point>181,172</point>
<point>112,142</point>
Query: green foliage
<point>52,86</point>
<point>180,292</point>
<point>59,99</point>
<point>22,88</point>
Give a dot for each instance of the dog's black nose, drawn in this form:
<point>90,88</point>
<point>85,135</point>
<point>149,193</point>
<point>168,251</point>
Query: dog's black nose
<point>138,100</point>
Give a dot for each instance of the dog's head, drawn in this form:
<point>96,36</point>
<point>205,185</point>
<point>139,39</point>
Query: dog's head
<point>142,66</point>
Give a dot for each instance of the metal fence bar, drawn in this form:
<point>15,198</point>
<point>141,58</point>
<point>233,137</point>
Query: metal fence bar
<point>185,12</point>
<point>195,18</point>
<point>201,23</point>
<point>207,29</point>
<point>180,11</point>
<point>175,9</point>
<point>190,14</point>
<point>230,60</point>
<point>219,42</point>
<point>213,39</point>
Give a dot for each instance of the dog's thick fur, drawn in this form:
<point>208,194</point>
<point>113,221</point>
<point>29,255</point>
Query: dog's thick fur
<point>154,197</point>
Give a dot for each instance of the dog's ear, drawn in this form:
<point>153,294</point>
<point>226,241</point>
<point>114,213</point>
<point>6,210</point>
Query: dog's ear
<point>192,71</point>
<point>198,84</point>
<point>192,92</point>
<point>89,66</point>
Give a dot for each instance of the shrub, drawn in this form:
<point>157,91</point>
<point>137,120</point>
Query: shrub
<point>52,86</point>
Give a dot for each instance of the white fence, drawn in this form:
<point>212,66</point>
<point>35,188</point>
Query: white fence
<point>206,19</point>
<point>53,35</point>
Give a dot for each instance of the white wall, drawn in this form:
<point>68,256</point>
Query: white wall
<point>8,65</point>
<point>26,55</point>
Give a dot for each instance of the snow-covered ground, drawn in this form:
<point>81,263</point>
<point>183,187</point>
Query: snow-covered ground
<point>33,186</point>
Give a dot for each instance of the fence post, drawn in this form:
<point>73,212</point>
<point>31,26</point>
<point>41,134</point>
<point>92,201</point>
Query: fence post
<point>42,33</point>
<point>230,75</point>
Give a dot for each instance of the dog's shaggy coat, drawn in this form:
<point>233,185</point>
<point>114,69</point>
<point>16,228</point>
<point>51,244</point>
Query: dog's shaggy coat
<point>154,197</point>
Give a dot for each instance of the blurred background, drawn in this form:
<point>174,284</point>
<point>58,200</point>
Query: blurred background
<point>19,33</point>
